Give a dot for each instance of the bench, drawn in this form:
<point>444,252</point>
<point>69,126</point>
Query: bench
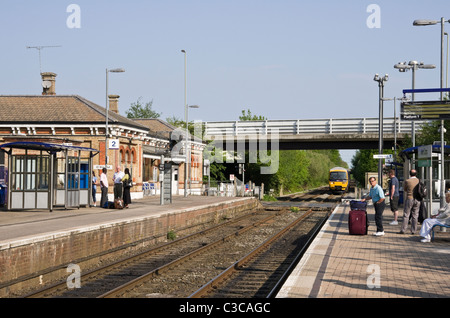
<point>432,230</point>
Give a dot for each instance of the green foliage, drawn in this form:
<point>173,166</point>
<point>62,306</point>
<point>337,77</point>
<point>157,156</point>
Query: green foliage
<point>177,122</point>
<point>297,169</point>
<point>293,171</point>
<point>268,197</point>
<point>249,116</point>
<point>137,110</point>
<point>363,162</point>
<point>431,132</point>
<point>171,235</point>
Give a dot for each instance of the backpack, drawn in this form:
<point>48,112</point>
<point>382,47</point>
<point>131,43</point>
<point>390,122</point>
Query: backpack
<point>420,191</point>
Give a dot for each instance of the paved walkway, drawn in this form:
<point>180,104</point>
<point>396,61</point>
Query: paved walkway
<point>23,226</point>
<point>339,265</point>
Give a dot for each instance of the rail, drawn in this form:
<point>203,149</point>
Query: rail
<point>309,126</point>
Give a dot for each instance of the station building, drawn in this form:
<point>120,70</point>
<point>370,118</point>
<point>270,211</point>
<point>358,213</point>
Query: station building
<point>75,128</point>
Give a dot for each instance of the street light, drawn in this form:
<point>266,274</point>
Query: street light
<point>114,70</point>
<point>433,22</point>
<point>380,81</point>
<point>395,122</point>
<point>188,152</point>
<point>186,108</point>
<point>413,66</point>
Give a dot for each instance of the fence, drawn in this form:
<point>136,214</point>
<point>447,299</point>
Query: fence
<point>308,126</point>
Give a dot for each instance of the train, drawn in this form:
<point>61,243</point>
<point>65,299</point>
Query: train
<point>339,179</point>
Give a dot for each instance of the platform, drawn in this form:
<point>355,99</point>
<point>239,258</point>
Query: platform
<point>22,226</point>
<point>339,265</point>
<point>37,246</point>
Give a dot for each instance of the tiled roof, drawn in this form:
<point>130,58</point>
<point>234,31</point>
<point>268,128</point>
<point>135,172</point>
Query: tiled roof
<point>57,109</point>
<point>157,126</point>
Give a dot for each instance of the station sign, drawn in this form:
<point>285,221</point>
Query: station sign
<point>113,143</point>
<point>425,110</point>
<point>425,152</point>
<point>383,156</point>
<point>424,163</point>
<point>100,167</point>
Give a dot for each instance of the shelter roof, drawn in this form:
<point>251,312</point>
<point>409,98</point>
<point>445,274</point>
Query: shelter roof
<point>45,146</point>
<point>435,148</point>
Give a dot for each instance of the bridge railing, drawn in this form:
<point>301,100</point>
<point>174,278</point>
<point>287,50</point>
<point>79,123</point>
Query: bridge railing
<point>308,126</point>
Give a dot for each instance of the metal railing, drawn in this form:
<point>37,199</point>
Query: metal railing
<point>308,126</point>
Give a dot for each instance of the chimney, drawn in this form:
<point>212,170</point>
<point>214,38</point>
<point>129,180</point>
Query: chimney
<point>48,83</point>
<point>114,103</point>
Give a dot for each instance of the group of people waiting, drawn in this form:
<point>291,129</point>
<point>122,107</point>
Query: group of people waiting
<point>412,205</point>
<point>122,185</point>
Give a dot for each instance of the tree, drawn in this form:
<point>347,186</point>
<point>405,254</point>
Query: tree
<point>249,116</point>
<point>177,122</point>
<point>136,110</point>
<point>363,162</point>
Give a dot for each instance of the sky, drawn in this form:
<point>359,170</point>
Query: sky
<point>283,59</point>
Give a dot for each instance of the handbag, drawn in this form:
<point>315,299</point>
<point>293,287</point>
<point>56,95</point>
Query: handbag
<point>128,182</point>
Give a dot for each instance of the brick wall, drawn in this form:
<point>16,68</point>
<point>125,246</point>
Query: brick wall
<point>46,260</point>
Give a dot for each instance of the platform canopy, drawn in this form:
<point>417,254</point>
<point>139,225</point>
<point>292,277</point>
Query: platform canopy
<point>45,146</point>
<point>45,180</point>
<point>414,150</point>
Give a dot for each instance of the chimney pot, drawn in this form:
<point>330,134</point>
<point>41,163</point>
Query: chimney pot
<point>48,77</point>
<point>114,103</point>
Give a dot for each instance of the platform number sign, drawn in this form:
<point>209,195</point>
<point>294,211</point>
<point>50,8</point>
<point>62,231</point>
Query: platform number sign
<point>114,144</point>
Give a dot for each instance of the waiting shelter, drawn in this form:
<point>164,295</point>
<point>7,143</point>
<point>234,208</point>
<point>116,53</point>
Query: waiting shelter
<point>427,161</point>
<point>42,175</point>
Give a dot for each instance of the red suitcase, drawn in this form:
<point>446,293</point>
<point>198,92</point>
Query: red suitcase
<point>357,222</point>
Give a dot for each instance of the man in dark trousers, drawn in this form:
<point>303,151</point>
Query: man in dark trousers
<point>376,194</point>
<point>104,188</point>
<point>394,195</point>
<point>412,205</point>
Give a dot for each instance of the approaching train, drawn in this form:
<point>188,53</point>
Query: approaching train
<point>339,179</point>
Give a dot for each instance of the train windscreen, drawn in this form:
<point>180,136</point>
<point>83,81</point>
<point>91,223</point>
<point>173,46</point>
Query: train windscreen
<point>338,175</point>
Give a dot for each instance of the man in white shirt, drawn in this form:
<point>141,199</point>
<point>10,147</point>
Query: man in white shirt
<point>104,187</point>
<point>117,179</point>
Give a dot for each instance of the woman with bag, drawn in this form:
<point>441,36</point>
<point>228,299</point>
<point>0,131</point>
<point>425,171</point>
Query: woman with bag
<point>94,188</point>
<point>127,184</point>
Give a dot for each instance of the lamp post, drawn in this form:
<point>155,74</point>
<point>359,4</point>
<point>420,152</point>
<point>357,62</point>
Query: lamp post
<point>433,22</point>
<point>380,81</point>
<point>114,70</point>
<point>186,108</point>
<point>186,120</point>
<point>395,122</point>
<point>413,66</point>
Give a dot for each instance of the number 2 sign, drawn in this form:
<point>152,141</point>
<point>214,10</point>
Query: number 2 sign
<point>114,144</point>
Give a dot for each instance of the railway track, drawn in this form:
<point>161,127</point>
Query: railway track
<point>184,276</point>
<point>261,273</point>
<point>184,266</point>
<point>105,278</point>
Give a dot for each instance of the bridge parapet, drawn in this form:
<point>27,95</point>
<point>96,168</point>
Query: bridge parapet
<point>307,126</point>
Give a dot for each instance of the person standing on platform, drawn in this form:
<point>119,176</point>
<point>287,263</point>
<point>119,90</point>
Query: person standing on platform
<point>117,179</point>
<point>94,188</point>
<point>376,194</point>
<point>412,205</point>
<point>127,184</point>
<point>104,188</point>
<point>394,195</point>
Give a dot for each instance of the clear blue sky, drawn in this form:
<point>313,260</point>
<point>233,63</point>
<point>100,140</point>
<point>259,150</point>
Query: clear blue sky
<point>280,59</point>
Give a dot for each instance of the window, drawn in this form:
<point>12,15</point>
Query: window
<point>30,172</point>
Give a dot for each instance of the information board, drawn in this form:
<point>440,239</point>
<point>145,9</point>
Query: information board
<point>425,110</point>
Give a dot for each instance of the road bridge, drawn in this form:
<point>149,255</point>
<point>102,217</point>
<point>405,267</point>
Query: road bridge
<point>348,133</point>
